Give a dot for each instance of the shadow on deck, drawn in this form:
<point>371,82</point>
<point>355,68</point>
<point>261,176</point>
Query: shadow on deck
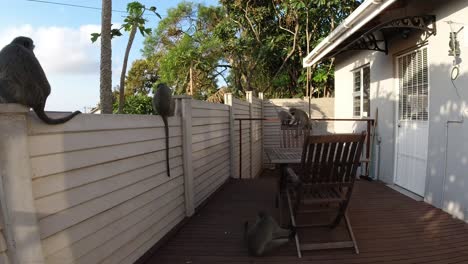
<point>389,228</point>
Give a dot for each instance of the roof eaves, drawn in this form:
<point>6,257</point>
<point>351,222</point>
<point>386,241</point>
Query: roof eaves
<point>356,20</point>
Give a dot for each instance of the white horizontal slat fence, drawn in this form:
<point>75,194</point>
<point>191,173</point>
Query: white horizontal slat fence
<point>96,190</point>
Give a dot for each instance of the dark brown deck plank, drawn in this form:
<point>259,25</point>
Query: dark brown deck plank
<point>389,228</point>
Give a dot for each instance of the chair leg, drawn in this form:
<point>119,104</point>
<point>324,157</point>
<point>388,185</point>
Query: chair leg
<point>293,223</point>
<point>279,200</point>
<point>351,234</point>
<point>341,212</point>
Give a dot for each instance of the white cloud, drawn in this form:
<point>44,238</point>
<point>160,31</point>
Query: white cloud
<point>61,50</point>
<point>70,61</point>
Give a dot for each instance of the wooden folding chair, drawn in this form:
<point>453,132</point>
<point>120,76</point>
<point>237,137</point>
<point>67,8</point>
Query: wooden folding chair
<point>324,182</point>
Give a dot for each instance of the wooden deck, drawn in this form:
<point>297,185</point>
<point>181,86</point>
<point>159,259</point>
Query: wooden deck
<point>389,228</point>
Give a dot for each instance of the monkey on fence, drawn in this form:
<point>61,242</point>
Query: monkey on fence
<point>23,81</point>
<point>265,235</point>
<point>301,119</point>
<point>284,117</point>
<point>164,106</point>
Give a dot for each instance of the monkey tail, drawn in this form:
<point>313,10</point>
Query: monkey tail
<point>52,121</point>
<point>166,128</point>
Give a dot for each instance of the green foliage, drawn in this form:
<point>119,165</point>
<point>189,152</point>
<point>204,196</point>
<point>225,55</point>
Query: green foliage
<point>254,45</point>
<point>142,76</point>
<point>133,21</point>
<point>134,18</point>
<point>184,41</point>
<point>138,104</point>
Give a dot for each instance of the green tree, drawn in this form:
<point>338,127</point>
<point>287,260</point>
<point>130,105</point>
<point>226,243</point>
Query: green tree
<point>256,45</point>
<point>133,21</point>
<point>138,104</point>
<point>142,76</point>
<point>190,54</point>
<point>267,41</point>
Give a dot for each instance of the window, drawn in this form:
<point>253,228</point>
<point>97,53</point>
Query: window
<point>413,86</point>
<point>361,94</point>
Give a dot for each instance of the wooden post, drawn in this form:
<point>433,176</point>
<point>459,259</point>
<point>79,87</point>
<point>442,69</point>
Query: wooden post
<point>20,218</point>
<point>260,96</point>
<point>228,101</point>
<point>186,115</point>
<point>249,97</point>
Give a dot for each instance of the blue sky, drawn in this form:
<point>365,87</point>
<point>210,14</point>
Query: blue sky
<point>63,47</point>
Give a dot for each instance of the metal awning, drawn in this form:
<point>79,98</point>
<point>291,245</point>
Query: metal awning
<point>376,38</point>
<point>367,29</point>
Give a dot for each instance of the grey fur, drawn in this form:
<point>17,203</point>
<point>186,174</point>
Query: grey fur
<point>164,106</point>
<point>23,81</point>
<point>284,117</point>
<point>265,235</point>
<point>301,119</point>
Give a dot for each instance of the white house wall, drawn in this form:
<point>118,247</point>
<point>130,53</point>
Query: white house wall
<point>382,97</point>
<point>444,103</point>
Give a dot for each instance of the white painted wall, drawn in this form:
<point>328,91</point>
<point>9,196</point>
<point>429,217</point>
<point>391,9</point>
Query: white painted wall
<point>4,254</point>
<point>256,135</point>
<point>242,110</point>
<point>100,186</point>
<point>98,189</point>
<point>382,97</point>
<point>448,192</point>
<point>210,147</point>
<point>446,105</point>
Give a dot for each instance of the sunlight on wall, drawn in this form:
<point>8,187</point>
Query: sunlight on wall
<point>454,209</point>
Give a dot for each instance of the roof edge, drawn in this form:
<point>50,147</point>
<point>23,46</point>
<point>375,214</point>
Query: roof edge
<point>356,20</point>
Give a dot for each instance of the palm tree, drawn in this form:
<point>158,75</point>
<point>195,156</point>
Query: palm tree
<point>106,59</point>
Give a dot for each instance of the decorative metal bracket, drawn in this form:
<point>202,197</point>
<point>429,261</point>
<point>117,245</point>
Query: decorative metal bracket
<point>424,23</point>
<point>370,41</point>
<point>374,39</point>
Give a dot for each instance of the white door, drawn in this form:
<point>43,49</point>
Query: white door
<point>412,121</point>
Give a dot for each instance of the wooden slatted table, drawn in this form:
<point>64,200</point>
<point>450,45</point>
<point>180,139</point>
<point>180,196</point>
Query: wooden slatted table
<point>284,156</point>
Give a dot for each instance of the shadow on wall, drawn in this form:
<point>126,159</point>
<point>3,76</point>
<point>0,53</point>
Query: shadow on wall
<point>447,183</point>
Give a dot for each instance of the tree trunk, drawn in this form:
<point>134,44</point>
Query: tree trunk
<point>191,81</point>
<point>124,69</point>
<point>106,58</point>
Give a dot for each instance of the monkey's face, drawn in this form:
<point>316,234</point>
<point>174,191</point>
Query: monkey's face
<point>292,111</point>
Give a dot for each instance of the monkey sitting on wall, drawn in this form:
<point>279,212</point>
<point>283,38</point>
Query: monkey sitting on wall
<point>23,81</point>
<point>265,235</point>
<point>164,106</point>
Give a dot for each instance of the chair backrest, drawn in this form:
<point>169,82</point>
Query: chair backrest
<point>290,138</point>
<point>331,159</point>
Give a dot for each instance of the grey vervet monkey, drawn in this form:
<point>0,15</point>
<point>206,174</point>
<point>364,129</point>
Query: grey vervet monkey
<point>265,235</point>
<point>23,81</point>
<point>164,106</point>
<point>284,117</point>
<point>301,119</point>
